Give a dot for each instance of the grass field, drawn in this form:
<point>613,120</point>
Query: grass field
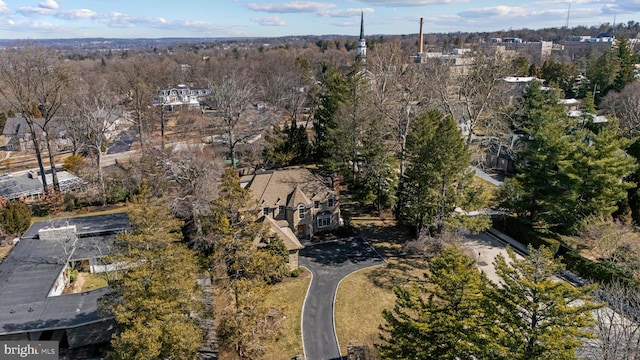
<point>363,295</point>
<point>358,308</point>
<point>92,281</point>
<point>288,296</point>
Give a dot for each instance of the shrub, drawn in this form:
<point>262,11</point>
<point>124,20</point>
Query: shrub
<point>296,272</point>
<point>15,218</point>
<point>73,275</point>
<point>605,272</point>
<point>116,192</point>
<point>73,163</point>
<point>70,202</point>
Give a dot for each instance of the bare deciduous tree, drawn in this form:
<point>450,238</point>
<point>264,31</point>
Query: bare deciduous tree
<point>614,241</point>
<point>625,105</point>
<point>135,79</point>
<point>232,99</point>
<point>400,92</point>
<point>195,170</point>
<point>96,114</point>
<point>473,95</point>
<point>35,84</point>
<point>617,325</point>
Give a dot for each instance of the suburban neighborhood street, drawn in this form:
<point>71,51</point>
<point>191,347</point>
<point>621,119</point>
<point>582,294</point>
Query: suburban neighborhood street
<point>329,263</point>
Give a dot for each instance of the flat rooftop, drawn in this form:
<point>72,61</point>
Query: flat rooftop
<point>12,187</point>
<point>30,270</point>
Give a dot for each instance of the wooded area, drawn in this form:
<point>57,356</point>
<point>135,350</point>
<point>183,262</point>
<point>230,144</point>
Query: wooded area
<point>400,135</point>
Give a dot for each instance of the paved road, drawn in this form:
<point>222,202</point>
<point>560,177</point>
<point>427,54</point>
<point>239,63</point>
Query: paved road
<point>329,263</point>
<point>484,247</point>
<point>493,179</point>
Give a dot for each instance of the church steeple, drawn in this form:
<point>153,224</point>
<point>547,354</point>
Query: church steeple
<point>361,54</point>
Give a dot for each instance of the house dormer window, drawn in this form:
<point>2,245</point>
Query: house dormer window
<point>316,204</point>
<point>281,209</point>
<point>332,202</point>
<point>301,211</point>
<point>265,211</point>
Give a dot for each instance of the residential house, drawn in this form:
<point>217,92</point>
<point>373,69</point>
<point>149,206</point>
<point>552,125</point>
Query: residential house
<point>34,275</point>
<point>181,96</point>
<point>306,203</point>
<point>28,187</point>
<point>18,133</point>
<point>281,230</point>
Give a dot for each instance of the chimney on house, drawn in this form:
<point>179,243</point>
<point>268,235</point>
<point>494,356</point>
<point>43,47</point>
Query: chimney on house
<point>335,182</point>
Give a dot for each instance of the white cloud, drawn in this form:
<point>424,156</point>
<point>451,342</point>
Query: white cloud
<point>406,3</point>
<point>30,11</point>
<point>77,14</point>
<point>292,7</point>
<point>4,9</point>
<point>566,3</point>
<point>120,20</point>
<point>320,9</point>
<point>49,4</point>
<point>624,6</point>
<point>493,11</point>
<point>346,12</point>
<point>269,21</point>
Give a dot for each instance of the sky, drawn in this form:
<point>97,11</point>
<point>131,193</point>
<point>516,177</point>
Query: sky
<point>47,19</point>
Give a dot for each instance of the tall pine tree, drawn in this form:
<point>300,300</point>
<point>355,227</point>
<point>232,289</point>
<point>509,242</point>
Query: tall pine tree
<point>447,319</point>
<point>570,169</point>
<point>156,294</point>
<point>539,316</point>
<point>437,178</point>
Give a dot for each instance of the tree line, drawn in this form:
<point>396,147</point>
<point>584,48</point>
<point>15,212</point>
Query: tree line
<point>389,127</point>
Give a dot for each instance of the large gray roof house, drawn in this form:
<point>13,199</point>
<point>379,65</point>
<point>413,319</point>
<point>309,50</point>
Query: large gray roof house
<point>32,306</point>
<point>296,198</point>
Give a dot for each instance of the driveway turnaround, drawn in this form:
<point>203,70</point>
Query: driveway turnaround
<point>329,263</point>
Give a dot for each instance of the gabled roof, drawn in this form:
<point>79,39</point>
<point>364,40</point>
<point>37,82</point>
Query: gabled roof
<point>284,233</point>
<point>289,187</point>
<point>17,125</point>
<point>297,197</point>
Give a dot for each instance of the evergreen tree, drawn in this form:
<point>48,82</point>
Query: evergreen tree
<point>289,146</point>
<point>562,75</point>
<point>570,171</point>
<point>376,180</point>
<point>278,153</point>
<point>157,292</point>
<point>633,193</point>
<point>627,60</point>
<point>437,177</point>
<point>540,317</point>
<point>601,73</point>
<point>241,271</point>
<point>599,166</point>
<point>333,90</point>
<point>153,312</point>
<point>15,218</point>
<point>448,320</point>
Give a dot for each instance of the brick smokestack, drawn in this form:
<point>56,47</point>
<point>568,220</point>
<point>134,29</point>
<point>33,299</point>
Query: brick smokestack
<point>421,36</point>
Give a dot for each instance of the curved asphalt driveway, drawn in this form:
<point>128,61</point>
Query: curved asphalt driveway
<point>329,263</point>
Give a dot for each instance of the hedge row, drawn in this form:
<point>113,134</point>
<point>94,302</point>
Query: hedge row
<point>596,271</point>
<point>523,233</point>
<point>576,263</point>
